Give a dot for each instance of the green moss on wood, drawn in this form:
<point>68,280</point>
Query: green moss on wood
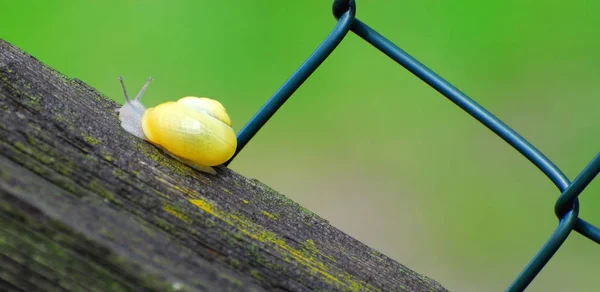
<point>98,188</point>
<point>91,140</point>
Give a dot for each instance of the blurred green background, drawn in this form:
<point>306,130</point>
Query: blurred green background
<point>364,143</point>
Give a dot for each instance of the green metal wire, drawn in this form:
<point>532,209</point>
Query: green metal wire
<point>567,205</point>
<point>297,79</point>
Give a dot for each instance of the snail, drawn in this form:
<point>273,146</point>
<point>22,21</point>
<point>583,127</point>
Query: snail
<point>194,130</point>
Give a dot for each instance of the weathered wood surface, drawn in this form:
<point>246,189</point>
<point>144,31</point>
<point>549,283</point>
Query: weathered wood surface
<point>84,206</point>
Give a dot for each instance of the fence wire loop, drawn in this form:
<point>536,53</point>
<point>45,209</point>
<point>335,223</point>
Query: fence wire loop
<point>569,196</point>
<point>341,6</point>
<point>567,205</point>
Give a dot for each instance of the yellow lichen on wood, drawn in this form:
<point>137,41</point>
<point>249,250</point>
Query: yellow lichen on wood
<point>171,210</point>
<point>306,256</point>
<point>207,207</point>
<point>272,216</point>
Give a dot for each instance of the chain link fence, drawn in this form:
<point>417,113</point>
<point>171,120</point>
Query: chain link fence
<point>567,205</point>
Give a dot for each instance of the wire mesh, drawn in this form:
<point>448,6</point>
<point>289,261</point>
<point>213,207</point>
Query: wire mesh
<point>567,205</point>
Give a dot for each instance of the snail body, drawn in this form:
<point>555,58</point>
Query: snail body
<point>195,130</point>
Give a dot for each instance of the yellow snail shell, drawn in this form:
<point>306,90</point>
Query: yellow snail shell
<point>195,130</point>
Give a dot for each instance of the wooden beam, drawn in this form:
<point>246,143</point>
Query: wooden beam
<point>85,206</point>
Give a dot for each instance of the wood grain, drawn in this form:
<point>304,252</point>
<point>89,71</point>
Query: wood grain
<point>84,206</point>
